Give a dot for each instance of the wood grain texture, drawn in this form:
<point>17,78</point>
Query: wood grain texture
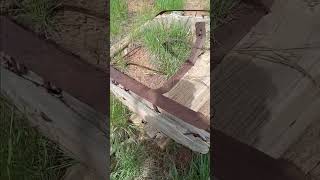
<point>266,91</point>
<point>193,90</point>
<point>78,129</point>
<point>172,128</point>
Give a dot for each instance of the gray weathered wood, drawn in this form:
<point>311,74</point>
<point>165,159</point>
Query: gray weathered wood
<point>198,78</point>
<point>172,128</point>
<point>193,89</point>
<point>266,92</point>
<point>73,125</point>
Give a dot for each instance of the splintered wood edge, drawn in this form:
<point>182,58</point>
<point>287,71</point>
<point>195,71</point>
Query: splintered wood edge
<point>167,125</point>
<point>77,130</point>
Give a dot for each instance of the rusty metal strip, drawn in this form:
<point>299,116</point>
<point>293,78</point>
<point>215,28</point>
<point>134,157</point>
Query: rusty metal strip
<point>60,69</point>
<point>182,10</point>
<point>194,118</point>
<point>156,97</point>
<point>186,66</point>
<point>195,52</point>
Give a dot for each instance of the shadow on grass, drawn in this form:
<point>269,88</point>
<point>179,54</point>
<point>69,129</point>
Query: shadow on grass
<point>24,152</point>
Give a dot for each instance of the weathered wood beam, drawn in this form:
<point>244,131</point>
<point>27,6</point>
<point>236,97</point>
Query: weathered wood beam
<point>176,129</point>
<point>266,89</point>
<point>76,127</point>
<point>54,64</point>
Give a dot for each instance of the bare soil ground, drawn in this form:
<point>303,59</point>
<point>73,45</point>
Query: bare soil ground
<point>136,6</point>
<point>197,5</point>
<point>82,34</point>
<point>140,66</point>
<point>79,33</point>
<point>141,69</point>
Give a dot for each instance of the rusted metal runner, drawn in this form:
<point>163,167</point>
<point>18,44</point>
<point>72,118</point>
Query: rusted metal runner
<point>157,98</point>
<point>59,68</point>
<point>195,52</point>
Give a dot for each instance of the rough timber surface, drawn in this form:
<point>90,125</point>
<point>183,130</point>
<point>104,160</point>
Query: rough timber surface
<point>84,81</point>
<point>171,127</point>
<point>82,34</point>
<point>192,91</point>
<point>77,25</point>
<point>266,90</point>
<point>76,127</point>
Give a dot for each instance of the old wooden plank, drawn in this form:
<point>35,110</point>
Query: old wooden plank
<point>205,109</point>
<point>191,78</point>
<point>178,130</point>
<point>266,90</point>
<point>65,70</point>
<point>193,90</point>
<point>306,151</point>
<point>77,128</point>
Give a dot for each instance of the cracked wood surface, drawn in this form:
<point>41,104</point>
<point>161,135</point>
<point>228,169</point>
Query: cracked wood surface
<point>173,128</point>
<point>192,91</point>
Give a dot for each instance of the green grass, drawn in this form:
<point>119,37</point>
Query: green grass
<point>130,153</point>
<point>221,8</point>
<point>127,153</point>
<point>37,13</point>
<point>161,5</point>
<point>24,153</point>
<point>118,15</point>
<point>170,45</point>
<point>119,63</point>
<point>199,169</point>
